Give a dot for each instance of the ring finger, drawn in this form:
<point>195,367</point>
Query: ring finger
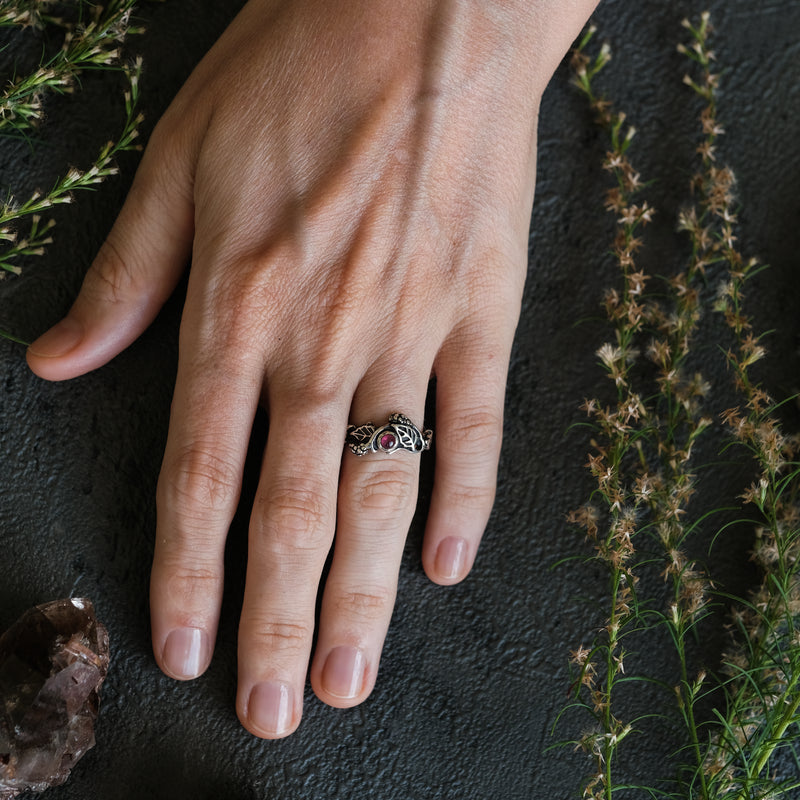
<point>376,503</point>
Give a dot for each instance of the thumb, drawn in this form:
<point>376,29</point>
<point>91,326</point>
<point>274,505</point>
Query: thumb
<point>132,276</point>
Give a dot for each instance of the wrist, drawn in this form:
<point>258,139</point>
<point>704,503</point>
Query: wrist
<point>519,43</point>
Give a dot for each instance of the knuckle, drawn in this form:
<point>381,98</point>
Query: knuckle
<point>248,298</point>
<point>475,431</point>
<point>384,491</point>
<point>367,606</point>
<point>321,388</point>
<point>110,277</point>
<point>295,517</point>
<point>244,304</point>
<point>169,135</point>
<point>235,314</point>
<point>174,136</point>
<point>191,587</point>
<point>477,498</point>
<point>317,377</point>
<point>312,402</point>
<point>267,636</point>
<point>197,482</point>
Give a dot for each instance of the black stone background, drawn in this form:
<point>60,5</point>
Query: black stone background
<point>472,677</point>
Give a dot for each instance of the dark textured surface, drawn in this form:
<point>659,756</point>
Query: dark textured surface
<point>473,676</point>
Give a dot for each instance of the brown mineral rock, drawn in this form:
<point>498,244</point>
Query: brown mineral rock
<point>52,663</point>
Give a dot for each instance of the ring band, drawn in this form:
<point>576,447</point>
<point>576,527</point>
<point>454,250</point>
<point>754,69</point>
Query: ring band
<point>399,433</point>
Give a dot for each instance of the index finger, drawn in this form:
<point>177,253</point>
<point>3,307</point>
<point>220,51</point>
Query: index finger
<point>214,404</point>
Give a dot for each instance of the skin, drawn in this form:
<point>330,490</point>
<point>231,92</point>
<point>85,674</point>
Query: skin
<point>353,180</point>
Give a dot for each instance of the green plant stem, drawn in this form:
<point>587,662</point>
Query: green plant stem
<point>608,748</point>
<point>12,338</point>
<point>691,722</point>
<point>787,719</point>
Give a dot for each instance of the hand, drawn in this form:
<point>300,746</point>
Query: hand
<point>353,180</point>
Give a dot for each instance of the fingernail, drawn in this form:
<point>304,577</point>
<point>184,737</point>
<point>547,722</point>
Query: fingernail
<point>187,652</point>
<point>270,707</point>
<point>343,673</point>
<point>451,558</point>
<point>59,340</point>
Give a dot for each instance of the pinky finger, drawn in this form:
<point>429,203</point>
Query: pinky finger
<point>469,420</point>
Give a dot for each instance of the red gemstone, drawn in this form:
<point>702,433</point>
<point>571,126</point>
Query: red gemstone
<point>387,441</point>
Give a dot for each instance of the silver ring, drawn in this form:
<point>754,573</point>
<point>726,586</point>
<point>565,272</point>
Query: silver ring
<point>399,433</point>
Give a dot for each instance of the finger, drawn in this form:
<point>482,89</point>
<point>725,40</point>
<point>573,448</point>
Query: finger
<point>377,499</point>
<point>134,272</point>
<point>198,489</point>
<point>470,387</point>
<point>291,530</point>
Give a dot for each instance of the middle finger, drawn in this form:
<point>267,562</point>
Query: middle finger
<point>291,530</point>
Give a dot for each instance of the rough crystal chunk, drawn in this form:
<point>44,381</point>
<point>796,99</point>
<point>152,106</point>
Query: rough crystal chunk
<point>53,661</point>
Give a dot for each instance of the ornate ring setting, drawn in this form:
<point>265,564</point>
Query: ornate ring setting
<point>399,433</point>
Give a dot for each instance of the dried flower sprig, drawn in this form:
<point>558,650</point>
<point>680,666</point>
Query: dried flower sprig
<point>763,695</point>
<point>92,40</point>
<point>25,14</point>
<point>654,488</point>
<point>641,447</point>
<point>92,44</point>
<point>38,236</point>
